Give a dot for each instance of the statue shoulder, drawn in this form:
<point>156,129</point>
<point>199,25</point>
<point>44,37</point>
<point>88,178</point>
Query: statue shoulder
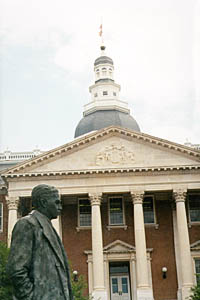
<point>27,221</point>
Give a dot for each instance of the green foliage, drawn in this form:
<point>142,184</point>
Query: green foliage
<point>5,284</point>
<point>78,288</point>
<point>195,292</point>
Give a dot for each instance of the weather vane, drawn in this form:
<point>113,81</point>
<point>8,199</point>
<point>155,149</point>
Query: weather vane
<point>101,32</point>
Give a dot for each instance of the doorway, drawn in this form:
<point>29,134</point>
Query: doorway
<point>119,281</point>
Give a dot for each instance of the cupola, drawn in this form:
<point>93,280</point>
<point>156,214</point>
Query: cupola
<point>105,108</point>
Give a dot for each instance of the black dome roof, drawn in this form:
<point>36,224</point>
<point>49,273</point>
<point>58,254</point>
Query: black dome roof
<point>103,60</point>
<point>104,118</point>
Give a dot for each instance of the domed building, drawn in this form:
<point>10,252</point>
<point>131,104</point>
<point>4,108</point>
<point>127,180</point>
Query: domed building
<point>105,108</point>
<point>131,202</point>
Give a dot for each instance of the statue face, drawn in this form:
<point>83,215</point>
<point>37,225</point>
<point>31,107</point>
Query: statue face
<point>53,205</point>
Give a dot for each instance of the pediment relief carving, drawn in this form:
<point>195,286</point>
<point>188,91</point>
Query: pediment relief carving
<point>111,147</point>
<point>114,154</point>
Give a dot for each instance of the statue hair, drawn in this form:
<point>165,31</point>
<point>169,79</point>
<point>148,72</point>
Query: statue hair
<point>41,193</point>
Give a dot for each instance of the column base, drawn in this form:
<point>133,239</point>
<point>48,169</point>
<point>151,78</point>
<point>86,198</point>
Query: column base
<point>186,292</point>
<point>99,295</point>
<point>144,294</point>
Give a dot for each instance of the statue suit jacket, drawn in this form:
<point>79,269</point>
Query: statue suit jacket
<point>37,262</point>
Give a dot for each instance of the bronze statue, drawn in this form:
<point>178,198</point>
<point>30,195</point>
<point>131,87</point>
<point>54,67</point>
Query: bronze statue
<point>37,264</point>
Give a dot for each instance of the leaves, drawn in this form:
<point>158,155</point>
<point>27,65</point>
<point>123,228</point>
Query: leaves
<point>5,284</point>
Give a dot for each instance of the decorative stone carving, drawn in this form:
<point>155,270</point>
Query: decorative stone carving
<point>95,199</point>
<point>137,197</point>
<point>180,195</point>
<point>114,155</point>
<point>12,202</point>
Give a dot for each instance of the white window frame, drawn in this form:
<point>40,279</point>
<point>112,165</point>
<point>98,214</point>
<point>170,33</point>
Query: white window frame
<point>123,225</point>
<point>188,207</point>
<point>195,256</point>
<point>154,211</point>
<point>79,225</point>
<point>1,220</point>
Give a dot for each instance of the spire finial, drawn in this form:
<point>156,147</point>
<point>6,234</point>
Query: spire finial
<point>102,47</point>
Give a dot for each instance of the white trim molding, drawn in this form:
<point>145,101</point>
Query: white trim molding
<point>115,252</point>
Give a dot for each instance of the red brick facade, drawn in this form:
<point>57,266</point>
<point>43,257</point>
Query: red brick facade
<point>3,234</point>
<point>161,240</point>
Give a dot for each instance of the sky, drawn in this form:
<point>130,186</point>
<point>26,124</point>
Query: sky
<point>47,54</point>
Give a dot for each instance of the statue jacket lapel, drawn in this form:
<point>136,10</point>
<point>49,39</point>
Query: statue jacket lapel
<point>51,236</point>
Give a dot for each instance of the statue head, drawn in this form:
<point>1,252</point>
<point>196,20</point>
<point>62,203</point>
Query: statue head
<point>46,200</point>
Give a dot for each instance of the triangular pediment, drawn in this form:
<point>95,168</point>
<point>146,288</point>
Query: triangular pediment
<point>118,247</point>
<point>195,246</point>
<point>110,148</point>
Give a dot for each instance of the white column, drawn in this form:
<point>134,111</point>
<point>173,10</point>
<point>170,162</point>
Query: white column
<point>90,275</point>
<point>184,244</point>
<point>97,249</point>
<point>57,225</point>
<point>144,290</point>
<point>177,252</point>
<point>12,203</point>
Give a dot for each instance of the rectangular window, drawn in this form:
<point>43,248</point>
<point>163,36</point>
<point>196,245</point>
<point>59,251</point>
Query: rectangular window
<point>116,211</point>
<point>197,269</point>
<point>194,207</point>
<point>105,93</point>
<point>148,209</point>
<point>1,216</point>
<point>84,212</point>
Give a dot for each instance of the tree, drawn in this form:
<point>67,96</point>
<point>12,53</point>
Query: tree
<point>195,292</point>
<point>5,283</point>
<point>78,287</point>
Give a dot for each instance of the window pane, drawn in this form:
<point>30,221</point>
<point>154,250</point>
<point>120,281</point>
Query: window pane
<point>114,285</point>
<point>148,210</point>
<point>84,212</point>
<point>194,208</point>
<point>197,267</point>
<point>116,211</point>
<point>124,285</point>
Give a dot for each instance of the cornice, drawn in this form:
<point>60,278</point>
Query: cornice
<point>112,130</point>
<point>136,170</point>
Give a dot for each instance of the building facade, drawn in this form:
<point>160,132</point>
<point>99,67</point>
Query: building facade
<point>131,202</point>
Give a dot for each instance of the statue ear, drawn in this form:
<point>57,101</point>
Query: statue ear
<point>42,202</point>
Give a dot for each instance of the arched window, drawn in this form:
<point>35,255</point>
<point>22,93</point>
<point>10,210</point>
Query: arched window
<point>98,73</point>
<point>104,71</point>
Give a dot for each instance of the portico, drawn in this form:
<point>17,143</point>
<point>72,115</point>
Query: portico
<point>123,186</point>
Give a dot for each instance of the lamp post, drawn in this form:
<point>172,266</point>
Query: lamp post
<point>75,275</point>
<point>164,272</point>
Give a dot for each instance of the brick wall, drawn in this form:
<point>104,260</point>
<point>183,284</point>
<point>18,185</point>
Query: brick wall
<point>163,255</point>
<point>161,240</point>
<point>194,233</point>
<point>3,234</point>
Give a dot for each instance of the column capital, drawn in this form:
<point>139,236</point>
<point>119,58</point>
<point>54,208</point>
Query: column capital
<point>12,202</point>
<point>95,199</point>
<point>179,195</point>
<point>137,197</point>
